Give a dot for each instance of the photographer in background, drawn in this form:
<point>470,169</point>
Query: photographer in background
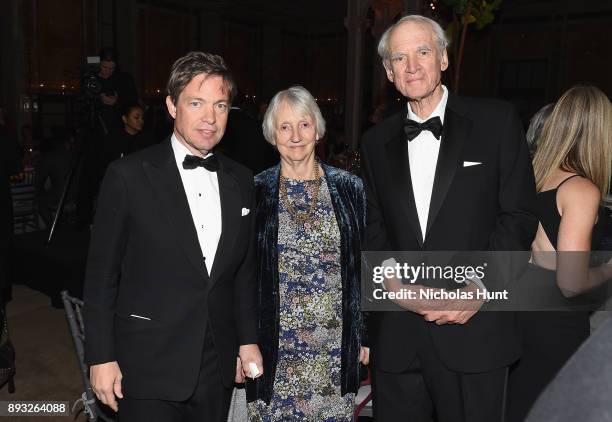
<point>118,89</point>
<point>106,94</point>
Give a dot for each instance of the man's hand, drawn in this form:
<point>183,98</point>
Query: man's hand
<point>110,100</point>
<point>106,383</point>
<point>364,355</point>
<point>456,311</point>
<point>442,311</point>
<point>249,353</point>
<point>418,305</point>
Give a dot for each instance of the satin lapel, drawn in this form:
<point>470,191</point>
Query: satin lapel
<point>166,182</point>
<point>397,158</point>
<point>231,208</point>
<point>455,132</point>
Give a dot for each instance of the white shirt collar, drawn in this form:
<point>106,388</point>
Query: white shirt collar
<point>438,111</point>
<point>180,150</point>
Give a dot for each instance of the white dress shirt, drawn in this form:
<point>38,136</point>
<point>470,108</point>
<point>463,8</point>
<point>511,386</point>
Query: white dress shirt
<point>202,189</point>
<point>423,155</point>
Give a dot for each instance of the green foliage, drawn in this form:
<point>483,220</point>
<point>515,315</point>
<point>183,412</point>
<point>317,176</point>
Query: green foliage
<point>458,6</point>
<point>481,13</point>
<point>463,14</point>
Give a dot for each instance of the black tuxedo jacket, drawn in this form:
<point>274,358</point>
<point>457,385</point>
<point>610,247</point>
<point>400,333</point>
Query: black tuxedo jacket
<point>145,260</point>
<point>481,207</point>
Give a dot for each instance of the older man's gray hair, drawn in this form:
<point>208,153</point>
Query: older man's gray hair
<point>438,32</point>
<point>301,102</point>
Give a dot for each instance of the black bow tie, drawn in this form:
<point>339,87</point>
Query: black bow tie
<point>413,129</point>
<point>209,163</point>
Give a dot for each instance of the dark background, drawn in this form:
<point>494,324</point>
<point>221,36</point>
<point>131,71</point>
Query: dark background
<point>534,50</point>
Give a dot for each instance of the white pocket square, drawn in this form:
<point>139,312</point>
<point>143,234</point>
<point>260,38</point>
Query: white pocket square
<point>245,211</point>
<point>471,163</point>
<point>140,317</point>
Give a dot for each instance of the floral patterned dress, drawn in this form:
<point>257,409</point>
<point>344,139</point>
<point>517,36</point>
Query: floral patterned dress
<point>307,380</point>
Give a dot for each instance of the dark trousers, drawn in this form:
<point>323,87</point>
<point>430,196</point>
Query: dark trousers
<point>427,390</point>
<point>209,402</point>
<point>549,340</point>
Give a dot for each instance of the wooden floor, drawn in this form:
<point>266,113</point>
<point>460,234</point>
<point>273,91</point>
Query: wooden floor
<point>46,362</point>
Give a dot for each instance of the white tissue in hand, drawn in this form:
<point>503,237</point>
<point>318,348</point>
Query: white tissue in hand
<point>254,369</point>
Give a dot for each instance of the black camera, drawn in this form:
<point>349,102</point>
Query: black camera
<point>91,86</point>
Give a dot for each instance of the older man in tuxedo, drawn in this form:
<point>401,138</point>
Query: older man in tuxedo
<point>447,173</point>
<point>169,292</point>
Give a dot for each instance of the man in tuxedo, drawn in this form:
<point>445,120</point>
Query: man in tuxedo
<point>170,298</point>
<point>452,174</point>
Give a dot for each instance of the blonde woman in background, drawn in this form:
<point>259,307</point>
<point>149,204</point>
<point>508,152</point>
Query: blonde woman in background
<point>573,166</point>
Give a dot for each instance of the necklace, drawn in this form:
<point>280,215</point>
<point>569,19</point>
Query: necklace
<point>297,216</point>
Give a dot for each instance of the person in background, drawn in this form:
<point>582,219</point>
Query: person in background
<point>130,138</point>
<point>573,165</point>
<point>118,89</point>
<point>309,222</point>
<point>535,127</point>
<point>10,163</point>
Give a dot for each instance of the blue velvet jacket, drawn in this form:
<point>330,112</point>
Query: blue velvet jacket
<point>348,199</point>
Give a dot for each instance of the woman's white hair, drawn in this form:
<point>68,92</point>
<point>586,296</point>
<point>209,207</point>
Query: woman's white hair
<point>301,102</point>
<point>438,32</point>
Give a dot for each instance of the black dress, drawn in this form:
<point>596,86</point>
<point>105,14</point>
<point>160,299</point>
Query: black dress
<point>120,143</point>
<point>549,338</point>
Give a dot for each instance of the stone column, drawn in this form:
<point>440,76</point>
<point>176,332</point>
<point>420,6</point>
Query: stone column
<point>12,66</point>
<point>384,13</point>
<point>355,25</point>
<point>126,15</point>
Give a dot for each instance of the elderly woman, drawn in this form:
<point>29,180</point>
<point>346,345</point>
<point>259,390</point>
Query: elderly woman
<point>309,219</point>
